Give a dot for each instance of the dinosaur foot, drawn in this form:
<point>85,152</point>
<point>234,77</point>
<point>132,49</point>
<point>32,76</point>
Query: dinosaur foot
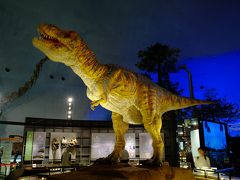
<point>107,160</point>
<point>152,162</point>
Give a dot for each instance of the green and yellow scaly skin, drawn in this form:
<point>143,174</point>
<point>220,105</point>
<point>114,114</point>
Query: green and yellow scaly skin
<point>132,98</point>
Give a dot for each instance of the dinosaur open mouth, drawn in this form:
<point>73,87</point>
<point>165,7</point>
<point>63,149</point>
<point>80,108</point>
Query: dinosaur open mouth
<point>44,36</point>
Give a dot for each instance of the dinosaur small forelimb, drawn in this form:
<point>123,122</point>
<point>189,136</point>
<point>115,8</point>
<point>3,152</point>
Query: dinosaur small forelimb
<point>94,104</point>
<point>97,102</point>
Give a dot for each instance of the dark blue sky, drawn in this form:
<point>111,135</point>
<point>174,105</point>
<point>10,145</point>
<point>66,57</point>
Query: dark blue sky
<point>220,72</point>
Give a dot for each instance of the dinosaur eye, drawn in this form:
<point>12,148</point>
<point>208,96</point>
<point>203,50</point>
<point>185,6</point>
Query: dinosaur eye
<point>66,35</point>
<point>73,34</point>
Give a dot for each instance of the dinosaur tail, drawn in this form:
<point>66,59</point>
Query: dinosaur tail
<point>178,102</point>
<point>26,86</point>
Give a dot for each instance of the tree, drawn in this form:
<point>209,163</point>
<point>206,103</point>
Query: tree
<point>220,111</point>
<point>160,59</point>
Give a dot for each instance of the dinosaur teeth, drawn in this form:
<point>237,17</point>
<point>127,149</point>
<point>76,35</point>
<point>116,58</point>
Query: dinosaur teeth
<point>44,36</point>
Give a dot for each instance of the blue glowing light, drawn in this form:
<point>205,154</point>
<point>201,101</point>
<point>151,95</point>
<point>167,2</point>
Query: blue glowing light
<point>214,136</point>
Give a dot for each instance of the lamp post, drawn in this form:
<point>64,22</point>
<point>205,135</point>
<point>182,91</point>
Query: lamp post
<point>193,121</point>
<point>184,67</point>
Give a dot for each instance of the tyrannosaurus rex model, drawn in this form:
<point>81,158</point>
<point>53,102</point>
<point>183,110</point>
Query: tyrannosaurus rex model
<point>132,98</point>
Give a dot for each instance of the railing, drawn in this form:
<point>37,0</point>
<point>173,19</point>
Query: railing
<point>211,173</point>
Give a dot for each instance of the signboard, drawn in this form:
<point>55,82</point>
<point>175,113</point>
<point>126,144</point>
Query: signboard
<point>58,144</point>
<point>29,146</point>
<point>39,140</point>
<point>195,142</point>
<point>214,136</point>
<point>7,152</point>
<point>215,141</point>
<point>145,146</point>
<point>6,156</point>
<point>17,148</point>
<point>103,144</point>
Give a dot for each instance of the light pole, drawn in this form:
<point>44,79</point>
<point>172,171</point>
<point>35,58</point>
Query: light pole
<point>184,67</point>
<point>193,121</point>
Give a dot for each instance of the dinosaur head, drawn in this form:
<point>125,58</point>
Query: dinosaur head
<point>59,45</point>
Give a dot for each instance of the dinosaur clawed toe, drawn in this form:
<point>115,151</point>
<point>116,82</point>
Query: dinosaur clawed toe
<point>152,162</point>
<point>111,159</point>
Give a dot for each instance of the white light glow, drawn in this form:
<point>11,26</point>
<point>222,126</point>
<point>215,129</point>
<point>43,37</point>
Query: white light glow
<point>194,123</point>
<point>69,112</point>
<point>70,99</point>
<point>69,104</point>
<point>69,117</point>
<point>69,108</point>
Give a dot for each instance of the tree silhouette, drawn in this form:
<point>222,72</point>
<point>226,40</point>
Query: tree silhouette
<point>160,59</point>
<point>220,111</point>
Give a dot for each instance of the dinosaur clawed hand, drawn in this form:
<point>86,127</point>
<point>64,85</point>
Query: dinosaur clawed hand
<point>94,104</point>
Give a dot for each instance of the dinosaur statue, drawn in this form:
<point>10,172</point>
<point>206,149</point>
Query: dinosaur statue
<point>132,98</point>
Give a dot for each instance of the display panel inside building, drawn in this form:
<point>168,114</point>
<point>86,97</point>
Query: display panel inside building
<point>214,138</point>
<point>59,142</point>
<point>91,137</point>
<point>103,144</point>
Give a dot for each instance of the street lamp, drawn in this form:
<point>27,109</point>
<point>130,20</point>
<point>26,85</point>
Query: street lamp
<point>69,111</point>
<point>184,67</point>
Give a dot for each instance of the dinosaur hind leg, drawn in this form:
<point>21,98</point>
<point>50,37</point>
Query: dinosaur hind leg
<point>154,127</point>
<point>119,127</point>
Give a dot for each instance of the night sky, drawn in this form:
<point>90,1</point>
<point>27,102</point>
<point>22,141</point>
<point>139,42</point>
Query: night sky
<point>207,32</point>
